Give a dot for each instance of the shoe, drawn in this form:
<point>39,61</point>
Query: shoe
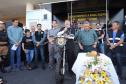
<point>35,67</point>
<point>120,77</point>
<point>43,67</point>
<point>53,62</point>
<point>20,69</point>
<point>3,69</point>
<point>50,68</point>
<point>12,69</point>
<point>29,67</point>
<point>25,63</point>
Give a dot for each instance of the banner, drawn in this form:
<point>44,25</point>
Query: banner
<point>94,17</point>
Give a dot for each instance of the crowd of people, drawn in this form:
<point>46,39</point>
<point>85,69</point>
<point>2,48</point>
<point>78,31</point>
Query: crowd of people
<point>40,42</point>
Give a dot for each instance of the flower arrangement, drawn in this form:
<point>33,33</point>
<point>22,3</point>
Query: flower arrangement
<point>95,72</point>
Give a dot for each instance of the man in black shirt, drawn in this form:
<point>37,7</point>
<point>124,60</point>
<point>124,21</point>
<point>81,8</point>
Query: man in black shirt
<point>67,30</point>
<point>100,34</point>
<point>39,38</point>
<point>28,47</point>
<point>3,47</point>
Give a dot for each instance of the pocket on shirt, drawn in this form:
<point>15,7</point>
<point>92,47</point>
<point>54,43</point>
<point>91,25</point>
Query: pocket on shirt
<point>82,38</point>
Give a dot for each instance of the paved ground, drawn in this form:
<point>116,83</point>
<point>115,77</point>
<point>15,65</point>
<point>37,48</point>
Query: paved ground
<point>39,76</point>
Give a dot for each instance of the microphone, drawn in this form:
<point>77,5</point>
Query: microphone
<point>68,31</point>
<point>66,26</point>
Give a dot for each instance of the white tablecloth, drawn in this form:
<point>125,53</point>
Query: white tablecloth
<point>78,65</point>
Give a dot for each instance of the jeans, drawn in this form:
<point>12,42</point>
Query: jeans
<point>12,54</point>
<point>29,56</point>
<point>41,49</point>
<point>119,61</point>
<point>88,48</point>
<point>101,47</point>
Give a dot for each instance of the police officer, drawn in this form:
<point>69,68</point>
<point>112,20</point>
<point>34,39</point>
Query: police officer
<point>3,47</point>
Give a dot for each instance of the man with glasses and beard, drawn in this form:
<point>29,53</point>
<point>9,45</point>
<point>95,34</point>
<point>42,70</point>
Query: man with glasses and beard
<point>100,34</point>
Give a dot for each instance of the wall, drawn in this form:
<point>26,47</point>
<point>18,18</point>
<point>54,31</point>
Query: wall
<point>118,15</point>
<point>20,19</point>
<point>60,19</point>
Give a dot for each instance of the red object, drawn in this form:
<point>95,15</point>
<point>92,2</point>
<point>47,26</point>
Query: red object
<point>98,54</point>
<point>66,37</point>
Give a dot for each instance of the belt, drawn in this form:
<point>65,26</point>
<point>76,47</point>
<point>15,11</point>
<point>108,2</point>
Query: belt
<point>2,43</point>
<point>87,45</point>
<point>51,36</point>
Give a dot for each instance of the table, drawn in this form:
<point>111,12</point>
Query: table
<point>78,65</point>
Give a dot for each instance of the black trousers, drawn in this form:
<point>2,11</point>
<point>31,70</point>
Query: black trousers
<point>70,58</point>
<point>70,53</point>
<point>125,29</point>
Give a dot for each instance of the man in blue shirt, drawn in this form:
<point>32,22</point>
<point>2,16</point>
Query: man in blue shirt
<point>114,36</point>
<point>32,30</point>
<point>115,39</point>
<point>15,35</point>
<point>38,38</point>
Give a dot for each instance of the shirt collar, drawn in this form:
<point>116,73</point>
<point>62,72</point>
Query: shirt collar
<point>54,29</point>
<point>15,27</point>
<point>81,29</point>
<point>87,31</point>
<point>99,29</point>
<point>115,32</point>
<point>33,32</point>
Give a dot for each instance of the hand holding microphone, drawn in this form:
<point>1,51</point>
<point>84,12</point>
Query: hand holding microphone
<point>65,29</point>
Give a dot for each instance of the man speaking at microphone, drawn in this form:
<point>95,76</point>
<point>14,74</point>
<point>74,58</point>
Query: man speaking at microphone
<point>65,31</point>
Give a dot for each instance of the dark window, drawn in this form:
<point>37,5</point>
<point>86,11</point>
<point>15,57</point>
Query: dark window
<point>45,16</point>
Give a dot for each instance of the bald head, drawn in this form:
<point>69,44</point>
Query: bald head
<point>67,22</point>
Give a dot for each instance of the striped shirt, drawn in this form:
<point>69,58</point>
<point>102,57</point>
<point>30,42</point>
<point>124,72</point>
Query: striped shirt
<point>87,37</point>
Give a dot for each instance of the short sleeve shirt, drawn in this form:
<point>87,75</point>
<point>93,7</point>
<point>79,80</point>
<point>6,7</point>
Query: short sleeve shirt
<point>53,33</point>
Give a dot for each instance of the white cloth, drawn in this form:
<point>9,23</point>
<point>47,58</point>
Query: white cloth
<point>82,58</point>
<point>60,33</point>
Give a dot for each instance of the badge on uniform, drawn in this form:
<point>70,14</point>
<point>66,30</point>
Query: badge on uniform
<point>41,32</point>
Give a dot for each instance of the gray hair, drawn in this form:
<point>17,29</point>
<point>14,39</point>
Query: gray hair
<point>86,22</point>
<point>117,22</point>
<point>33,26</point>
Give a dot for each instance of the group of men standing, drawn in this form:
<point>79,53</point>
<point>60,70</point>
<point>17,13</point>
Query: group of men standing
<point>86,40</point>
